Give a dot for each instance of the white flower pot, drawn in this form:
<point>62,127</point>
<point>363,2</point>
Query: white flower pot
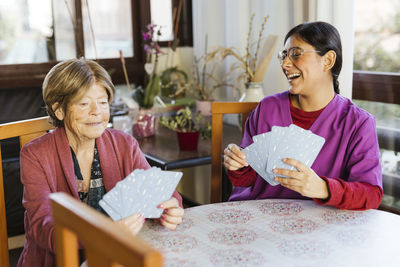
<point>253,93</point>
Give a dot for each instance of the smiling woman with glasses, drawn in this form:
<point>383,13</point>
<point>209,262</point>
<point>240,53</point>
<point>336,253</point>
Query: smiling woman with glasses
<point>346,173</point>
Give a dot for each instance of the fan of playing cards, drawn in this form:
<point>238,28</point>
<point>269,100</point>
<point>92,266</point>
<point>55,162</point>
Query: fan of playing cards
<point>140,192</point>
<point>268,150</point>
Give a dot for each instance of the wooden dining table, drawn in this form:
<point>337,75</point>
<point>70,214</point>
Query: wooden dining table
<point>162,149</point>
<point>276,232</point>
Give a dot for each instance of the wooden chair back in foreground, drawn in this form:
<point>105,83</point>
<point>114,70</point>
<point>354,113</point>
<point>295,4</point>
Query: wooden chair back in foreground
<point>26,130</point>
<point>105,243</point>
<point>218,109</point>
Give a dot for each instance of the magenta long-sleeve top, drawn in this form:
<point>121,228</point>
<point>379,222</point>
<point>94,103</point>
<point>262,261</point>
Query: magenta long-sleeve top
<point>350,152</point>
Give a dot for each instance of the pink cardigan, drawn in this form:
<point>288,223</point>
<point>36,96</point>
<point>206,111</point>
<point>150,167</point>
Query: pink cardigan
<point>47,167</point>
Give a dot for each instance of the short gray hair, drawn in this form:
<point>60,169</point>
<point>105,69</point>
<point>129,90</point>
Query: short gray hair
<point>70,79</point>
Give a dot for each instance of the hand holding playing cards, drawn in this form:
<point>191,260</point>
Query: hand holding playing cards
<point>172,215</point>
<point>303,180</point>
<point>133,223</point>
<point>234,159</point>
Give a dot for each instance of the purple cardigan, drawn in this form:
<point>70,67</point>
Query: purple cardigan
<point>350,152</point>
<point>47,167</point>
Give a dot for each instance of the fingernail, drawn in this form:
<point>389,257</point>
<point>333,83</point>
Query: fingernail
<point>166,210</point>
<point>159,206</point>
<point>161,220</point>
<point>163,216</point>
<point>144,219</point>
<point>139,215</point>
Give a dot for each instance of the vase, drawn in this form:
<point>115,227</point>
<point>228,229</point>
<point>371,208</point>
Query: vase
<point>204,107</point>
<point>145,124</point>
<point>253,93</point>
<point>188,140</point>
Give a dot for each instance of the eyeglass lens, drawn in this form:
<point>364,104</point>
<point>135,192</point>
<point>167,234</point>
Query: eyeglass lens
<point>293,52</point>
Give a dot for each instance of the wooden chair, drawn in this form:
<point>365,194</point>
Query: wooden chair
<point>26,130</point>
<point>105,243</point>
<point>217,111</point>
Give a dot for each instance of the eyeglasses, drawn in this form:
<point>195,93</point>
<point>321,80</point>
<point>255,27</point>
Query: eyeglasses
<point>294,53</point>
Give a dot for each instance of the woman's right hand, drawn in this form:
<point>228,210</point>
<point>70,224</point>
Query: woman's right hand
<point>234,158</point>
<point>133,223</point>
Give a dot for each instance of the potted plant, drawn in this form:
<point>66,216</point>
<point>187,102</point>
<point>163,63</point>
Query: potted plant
<point>186,126</point>
<point>173,82</point>
<point>146,121</point>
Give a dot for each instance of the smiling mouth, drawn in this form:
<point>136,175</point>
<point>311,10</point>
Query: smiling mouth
<point>292,76</point>
<point>93,123</point>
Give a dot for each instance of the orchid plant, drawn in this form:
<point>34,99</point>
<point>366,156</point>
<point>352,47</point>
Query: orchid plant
<point>145,98</point>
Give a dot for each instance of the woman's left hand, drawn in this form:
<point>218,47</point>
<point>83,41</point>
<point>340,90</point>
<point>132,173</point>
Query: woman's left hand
<point>304,180</point>
<point>172,215</point>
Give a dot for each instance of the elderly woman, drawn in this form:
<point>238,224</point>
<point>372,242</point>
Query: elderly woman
<point>80,157</point>
<point>347,172</point>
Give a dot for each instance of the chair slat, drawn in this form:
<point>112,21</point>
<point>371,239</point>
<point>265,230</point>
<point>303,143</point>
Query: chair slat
<point>26,130</point>
<point>103,240</point>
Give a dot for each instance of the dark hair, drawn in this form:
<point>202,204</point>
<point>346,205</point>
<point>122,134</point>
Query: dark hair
<point>323,37</point>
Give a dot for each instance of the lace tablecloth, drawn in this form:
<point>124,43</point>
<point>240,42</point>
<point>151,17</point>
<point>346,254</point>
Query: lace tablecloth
<point>278,233</point>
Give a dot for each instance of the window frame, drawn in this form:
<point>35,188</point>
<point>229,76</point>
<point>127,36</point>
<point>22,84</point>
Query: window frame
<point>376,86</point>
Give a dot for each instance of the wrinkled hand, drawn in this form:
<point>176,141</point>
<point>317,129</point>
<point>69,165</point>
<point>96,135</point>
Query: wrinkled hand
<point>172,215</point>
<point>234,158</point>
<point>304,180</point>
<point>133,223</point>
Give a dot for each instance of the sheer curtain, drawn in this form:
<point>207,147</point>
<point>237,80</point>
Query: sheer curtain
<point>226,23</point>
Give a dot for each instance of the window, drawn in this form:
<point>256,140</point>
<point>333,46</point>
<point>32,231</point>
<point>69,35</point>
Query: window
<point>105,37</point>
<point>25,28</point>
<point>163,19</point>
<point>36,34</point>
<point>177,23</point>
<point>376,83</point>
<point>376,52</point>
<point>41,34</point>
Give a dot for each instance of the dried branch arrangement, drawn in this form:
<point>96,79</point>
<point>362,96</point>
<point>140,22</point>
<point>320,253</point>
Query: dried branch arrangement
<point>253,65</point>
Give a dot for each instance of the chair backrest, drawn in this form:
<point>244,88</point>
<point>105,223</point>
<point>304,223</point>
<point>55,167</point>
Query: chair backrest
<point>26,130</point>
<point>105,243</point>
<point>217,111</point>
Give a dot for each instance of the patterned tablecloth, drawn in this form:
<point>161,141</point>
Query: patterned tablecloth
<point>278,233</point>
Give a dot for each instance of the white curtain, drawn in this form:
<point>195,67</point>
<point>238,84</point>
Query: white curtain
<point>226,23</point>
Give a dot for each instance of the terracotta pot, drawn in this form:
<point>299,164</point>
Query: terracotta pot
<point>188,141</point>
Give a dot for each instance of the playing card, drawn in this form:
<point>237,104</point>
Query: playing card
<point>257,157</point>
<point>277,134</point>
<point>158,189</point>
<point>140,192</point>
<point>134,182</point>
<point>112,198</point>
<point>296,143</point>
<point>110,211</point>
